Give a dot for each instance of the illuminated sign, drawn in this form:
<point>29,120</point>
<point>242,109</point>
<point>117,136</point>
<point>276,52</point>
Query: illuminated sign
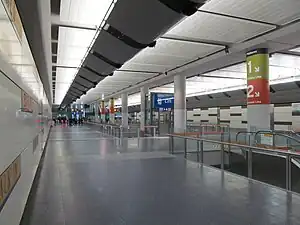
<point>163,100</point>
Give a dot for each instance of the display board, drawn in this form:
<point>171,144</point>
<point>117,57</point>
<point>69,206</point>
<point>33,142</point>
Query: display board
<point>162,100</point>
<point>258,77</point>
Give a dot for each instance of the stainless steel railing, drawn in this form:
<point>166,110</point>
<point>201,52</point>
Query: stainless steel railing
<point>288,142</point>
<point>288,155</point>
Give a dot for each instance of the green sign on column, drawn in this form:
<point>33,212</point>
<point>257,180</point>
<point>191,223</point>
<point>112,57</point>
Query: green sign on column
<point>258,77</point>
<point>258,64</point>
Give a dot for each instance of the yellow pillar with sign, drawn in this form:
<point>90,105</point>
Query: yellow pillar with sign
<point>258,94</point>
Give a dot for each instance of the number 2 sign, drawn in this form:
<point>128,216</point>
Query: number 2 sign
<point>258,92</point>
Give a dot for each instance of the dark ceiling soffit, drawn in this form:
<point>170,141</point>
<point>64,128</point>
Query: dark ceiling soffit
<point>55,7</point>
<point>82,91</point>
<point>272,89</point>
<point>90,81</point>
<point>74,90</point>
<point>238,18</point>
<point>126,39</point>
<point>28,11</point>
<point>297,83</point>
<point>94,71</point>
<point>75,82</point>
<point>72,94</point>
<point>108,61</point>
<point>226,95</point>
<point>184,7</point>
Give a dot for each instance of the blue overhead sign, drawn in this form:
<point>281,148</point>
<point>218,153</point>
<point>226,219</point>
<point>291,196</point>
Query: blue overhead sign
<point>163,100</point>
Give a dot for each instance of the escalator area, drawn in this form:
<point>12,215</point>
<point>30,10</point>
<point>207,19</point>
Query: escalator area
<point>267,167</point>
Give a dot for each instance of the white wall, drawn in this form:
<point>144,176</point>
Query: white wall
<point>17,132</point>
<point>237,116</point>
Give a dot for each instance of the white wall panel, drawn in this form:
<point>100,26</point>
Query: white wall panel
<point>18,131</point>
<point>22,134</point>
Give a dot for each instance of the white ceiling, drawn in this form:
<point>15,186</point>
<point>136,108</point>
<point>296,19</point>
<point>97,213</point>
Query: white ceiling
<point>73,44</point>
<point>283,68</point>
<point>217,25</point>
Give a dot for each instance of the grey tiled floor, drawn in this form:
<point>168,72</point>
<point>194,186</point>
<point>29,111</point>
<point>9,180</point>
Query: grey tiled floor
<point>94,182</point>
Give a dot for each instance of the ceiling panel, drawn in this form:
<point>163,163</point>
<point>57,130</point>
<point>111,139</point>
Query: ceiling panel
<point>279,11</point>
<point>144,67</point>
<point>144,57</point>
<point>205,26</point>
<point>185,49</point>
<point>89,12</point>
<point>64,78</point>
<point>72,45</point>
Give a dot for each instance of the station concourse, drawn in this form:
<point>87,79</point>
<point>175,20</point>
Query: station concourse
<point>150,112</point>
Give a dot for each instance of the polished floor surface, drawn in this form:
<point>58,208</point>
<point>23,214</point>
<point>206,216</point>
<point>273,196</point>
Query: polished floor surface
<point>89,179</point>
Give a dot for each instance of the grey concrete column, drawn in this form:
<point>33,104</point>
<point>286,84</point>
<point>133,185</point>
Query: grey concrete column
<point>144,91</point>
<point>124,110</point>
<point>179,103</point>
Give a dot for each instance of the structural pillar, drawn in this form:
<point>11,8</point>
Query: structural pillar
<point>102,109</point>
<point>112,110</point>
<point>124,110</point>
<point>258,90</point>
<point>179,104</point>
<point>144,92</point>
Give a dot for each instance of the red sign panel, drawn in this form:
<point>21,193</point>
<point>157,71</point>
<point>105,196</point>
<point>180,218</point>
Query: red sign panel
<point>258,92</point>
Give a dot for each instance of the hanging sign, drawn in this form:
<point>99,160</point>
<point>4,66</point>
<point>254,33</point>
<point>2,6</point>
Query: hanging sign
<point>163,100</point>
<point>258,77</point>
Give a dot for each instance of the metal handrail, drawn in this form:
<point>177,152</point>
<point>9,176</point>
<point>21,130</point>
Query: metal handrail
<point>274,133</point>
<point>243,132</point>
<point>250,149</point>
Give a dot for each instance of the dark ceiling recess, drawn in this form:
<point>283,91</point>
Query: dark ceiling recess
<point>55,7</point>
<point>28,11</point>
<point>184,7</point>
